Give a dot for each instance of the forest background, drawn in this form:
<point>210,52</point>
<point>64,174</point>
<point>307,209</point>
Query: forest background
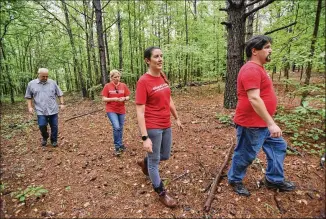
<point>81,41</point>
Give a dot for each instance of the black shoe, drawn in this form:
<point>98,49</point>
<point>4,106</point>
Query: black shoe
<point>122,148</point>
<point>54,144</point>
<point>44,142</point>
<point>283,186</point>
<point>239,188</point>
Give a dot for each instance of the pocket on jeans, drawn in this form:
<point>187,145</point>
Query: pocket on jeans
<point>253,135</point>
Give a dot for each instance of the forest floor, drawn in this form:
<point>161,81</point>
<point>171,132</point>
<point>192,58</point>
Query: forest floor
<point>85,180</point>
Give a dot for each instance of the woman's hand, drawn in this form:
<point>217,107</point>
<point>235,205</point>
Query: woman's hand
<point>147,144</point>
<point>180,126</point>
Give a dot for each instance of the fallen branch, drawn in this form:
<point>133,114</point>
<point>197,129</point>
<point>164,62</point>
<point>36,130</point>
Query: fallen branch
<point>83,115</point>
<point>180,176</point>
<point>278,204</point>
<point>210,198</point>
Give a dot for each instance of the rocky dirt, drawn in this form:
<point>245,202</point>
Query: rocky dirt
<point>85,180</point>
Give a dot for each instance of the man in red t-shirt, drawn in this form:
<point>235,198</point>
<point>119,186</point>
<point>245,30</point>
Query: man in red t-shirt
<point>115,93</point>
<point>255,125</point>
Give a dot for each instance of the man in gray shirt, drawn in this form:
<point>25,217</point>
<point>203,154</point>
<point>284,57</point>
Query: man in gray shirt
<point>44,92</point>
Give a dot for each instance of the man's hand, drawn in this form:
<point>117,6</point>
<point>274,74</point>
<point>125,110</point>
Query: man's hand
<point>31,110</point>
<point>148,145</point>
<point>62,106</point>
<point>275,131</point>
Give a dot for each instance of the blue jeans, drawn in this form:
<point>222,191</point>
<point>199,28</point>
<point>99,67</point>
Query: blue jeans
<point>249,142</point>
<point>117,121</point>
<point>43,123</point>
<point>161,140</point>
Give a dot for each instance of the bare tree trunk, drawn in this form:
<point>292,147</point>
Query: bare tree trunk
<point>185,76</point>
<point>11,87</point>
<point>88,45</point>
<point>120,40</point>
<point>74,51</point>
<point>130,42</point>
<point>98,77</point>
<point>99,28</point>
<point>250,22</point>
<point>106,46</point>
<point>312,49</point>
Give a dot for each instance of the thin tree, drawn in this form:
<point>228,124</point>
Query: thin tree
<point>99,28</point>
<point>312,50</point>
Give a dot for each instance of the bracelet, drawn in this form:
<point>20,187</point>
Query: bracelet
<point>62,103</point>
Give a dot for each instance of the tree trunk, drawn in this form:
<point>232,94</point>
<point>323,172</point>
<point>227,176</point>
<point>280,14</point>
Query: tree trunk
<point>88,45</point>
<point>236,10</point>
<point>250,22</point>
<point>313,42</point>
<point>98,78</point>
<point>235,44</point>
<point>11,88</point>
<point>99,28</point>
<point>130,42</point>
<point>106,46</point>
<point>120,40</point>
<point>185,76</point>
<point>74,51</point>
<point>312,50</point>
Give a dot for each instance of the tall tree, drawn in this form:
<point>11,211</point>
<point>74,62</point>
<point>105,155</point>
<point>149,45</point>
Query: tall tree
<point>312,49</point>
<point>99,28</point>
<point>237,14</point>
<point>77,67</point>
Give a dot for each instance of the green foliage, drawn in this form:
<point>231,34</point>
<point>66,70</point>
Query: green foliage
<point>306,127</point>
<point>30,191</point>
<point>224,119</point>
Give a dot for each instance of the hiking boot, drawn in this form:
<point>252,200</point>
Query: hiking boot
<point>239,188</point>
<point>44,142</point>
<point>284,186</point>
<point>54,144</point>
<point>143,166</point>
<point>167,200</point>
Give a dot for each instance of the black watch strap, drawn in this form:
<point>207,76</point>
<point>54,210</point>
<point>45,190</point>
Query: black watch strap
<point>144,138</point>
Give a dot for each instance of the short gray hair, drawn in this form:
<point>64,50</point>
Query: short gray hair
<point>42,70</point>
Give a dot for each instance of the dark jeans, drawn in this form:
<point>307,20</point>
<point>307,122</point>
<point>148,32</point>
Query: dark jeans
<point>249,143</point>
<point>43,123</point>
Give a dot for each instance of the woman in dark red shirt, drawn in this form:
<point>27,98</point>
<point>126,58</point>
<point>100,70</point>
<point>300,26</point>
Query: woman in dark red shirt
<point>154,106</point>
<point>115,94</point>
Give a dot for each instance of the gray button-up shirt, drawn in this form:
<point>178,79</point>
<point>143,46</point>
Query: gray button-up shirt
<point>44,95</point>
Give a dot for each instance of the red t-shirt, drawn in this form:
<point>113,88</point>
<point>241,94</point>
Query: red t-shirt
<point>253,76</point>
<point>154,93</point>
<point>110,91</point>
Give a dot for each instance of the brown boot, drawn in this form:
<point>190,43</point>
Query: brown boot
<point>167,200</point>
<point>143,165</point>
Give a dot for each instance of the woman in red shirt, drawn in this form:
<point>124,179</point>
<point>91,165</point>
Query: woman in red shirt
<point>154,106</point>
<point>115,94</point>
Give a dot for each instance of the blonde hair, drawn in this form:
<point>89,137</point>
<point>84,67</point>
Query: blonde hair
<point>42,70</point>
<point>114,72</point>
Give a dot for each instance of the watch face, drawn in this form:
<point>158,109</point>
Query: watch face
<point>144,138</point>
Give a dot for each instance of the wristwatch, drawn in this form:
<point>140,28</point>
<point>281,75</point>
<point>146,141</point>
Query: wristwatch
<point>144,137</point>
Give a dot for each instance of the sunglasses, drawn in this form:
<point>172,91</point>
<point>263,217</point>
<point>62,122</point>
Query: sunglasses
<point>116,90</point>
